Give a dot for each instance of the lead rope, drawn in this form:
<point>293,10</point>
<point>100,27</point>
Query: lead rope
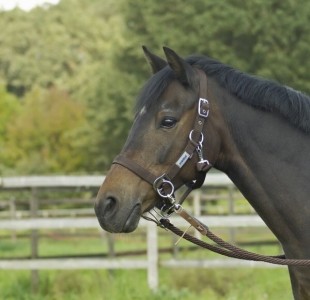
<point>221,246</point>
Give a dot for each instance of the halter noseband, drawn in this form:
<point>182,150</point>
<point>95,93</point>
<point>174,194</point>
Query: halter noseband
<point>163,184</point>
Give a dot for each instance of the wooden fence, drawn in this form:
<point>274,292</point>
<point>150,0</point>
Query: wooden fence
<point>151,263</point>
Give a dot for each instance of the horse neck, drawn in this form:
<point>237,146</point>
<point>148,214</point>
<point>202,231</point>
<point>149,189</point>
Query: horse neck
<point>265,157</point>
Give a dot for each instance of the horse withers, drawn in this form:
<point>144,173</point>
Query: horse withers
<point>196,113</point>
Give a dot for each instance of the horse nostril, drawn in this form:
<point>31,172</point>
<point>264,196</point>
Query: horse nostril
<point>109,205</point>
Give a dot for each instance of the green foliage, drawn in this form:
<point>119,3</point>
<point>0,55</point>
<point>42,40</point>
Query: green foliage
<point>254,284</point>
<point>92,50</point>
<point>50,47</point>
<point>8,107</point>
<point>109,100</point>
<point>267,38</point>
<point>43,134</point>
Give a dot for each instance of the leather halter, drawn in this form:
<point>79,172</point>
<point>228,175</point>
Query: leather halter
<point>163,184</point>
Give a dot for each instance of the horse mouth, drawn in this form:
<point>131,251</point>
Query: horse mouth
<point>133,219</point>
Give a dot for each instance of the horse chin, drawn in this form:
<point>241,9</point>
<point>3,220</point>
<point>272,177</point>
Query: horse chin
<point>133,219</point>
<point>125,221</point>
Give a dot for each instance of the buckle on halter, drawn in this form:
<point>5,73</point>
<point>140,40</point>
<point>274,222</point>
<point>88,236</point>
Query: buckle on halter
<point>203,107</point>
<point>161,184</point>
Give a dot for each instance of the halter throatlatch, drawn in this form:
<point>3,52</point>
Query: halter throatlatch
<point>163,184</point>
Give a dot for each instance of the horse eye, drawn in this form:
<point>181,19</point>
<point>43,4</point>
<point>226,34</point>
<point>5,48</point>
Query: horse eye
<point>168,122</point>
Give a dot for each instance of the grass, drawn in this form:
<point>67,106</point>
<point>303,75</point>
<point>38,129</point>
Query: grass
<point>181,284</point>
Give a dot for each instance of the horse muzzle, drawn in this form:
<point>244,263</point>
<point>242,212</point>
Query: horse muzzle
<point>117,218</point>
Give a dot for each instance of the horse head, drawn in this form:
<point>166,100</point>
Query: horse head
<point>167,136</point>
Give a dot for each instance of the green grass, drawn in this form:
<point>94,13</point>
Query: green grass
<point>181,284</point>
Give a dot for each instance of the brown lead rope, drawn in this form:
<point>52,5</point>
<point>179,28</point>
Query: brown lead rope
<point>223,247</point>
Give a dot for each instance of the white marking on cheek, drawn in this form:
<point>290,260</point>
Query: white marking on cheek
<point>142,111</point>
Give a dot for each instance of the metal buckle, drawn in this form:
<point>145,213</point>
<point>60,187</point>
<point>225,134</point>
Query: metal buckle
<point>159,183</point>
<point>202,111</point>
<point>167,206</point>
<point>192,140</point>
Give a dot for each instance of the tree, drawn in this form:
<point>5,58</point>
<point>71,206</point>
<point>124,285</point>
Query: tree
<point>110,96</point>
<point>90,52</point>
<point>69,47</point>
<point>9,108</point>
<point>52,47</point>
<point>270,38</point>
<point>43,137</point>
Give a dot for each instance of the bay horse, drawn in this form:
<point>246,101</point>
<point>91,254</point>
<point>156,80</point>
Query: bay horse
<point>254,130</point>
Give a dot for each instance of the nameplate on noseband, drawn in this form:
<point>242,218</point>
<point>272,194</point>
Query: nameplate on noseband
<point>183,159</point>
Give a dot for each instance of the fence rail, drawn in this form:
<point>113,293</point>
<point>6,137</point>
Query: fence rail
<point>34,223</point>
<point>50,181</point>
<point>91,222</point>
<point>151,263</point>
<point>213,179</point>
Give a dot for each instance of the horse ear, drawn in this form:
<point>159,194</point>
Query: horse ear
<point>155,61</point>
<point>183,70</point>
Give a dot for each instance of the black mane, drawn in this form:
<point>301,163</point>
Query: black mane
<point>260,93</point>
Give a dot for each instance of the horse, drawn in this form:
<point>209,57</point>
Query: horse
<point>255,130</point>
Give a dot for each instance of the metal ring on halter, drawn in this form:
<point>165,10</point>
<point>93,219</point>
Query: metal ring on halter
<point>160,189</point>
<point>201,137</point>
<point>158,186</point>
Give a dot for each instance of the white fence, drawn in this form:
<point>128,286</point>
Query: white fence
<point>213,179</point>
<point>151,263</point>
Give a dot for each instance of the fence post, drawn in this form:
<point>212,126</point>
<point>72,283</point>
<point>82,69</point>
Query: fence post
<point>110,241</point>
<point>152,256</point>
<point>231,212</point>
<point>34,239</point>
<point>13,217</point>
<point>197,209</point>
<point>175,247</point>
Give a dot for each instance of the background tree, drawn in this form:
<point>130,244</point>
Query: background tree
<point>88,54</point>
<point>69,47</point>
<point>43,136</point>
<point>9,107</point>
<point>52,47</point>
<point>267,38</point>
